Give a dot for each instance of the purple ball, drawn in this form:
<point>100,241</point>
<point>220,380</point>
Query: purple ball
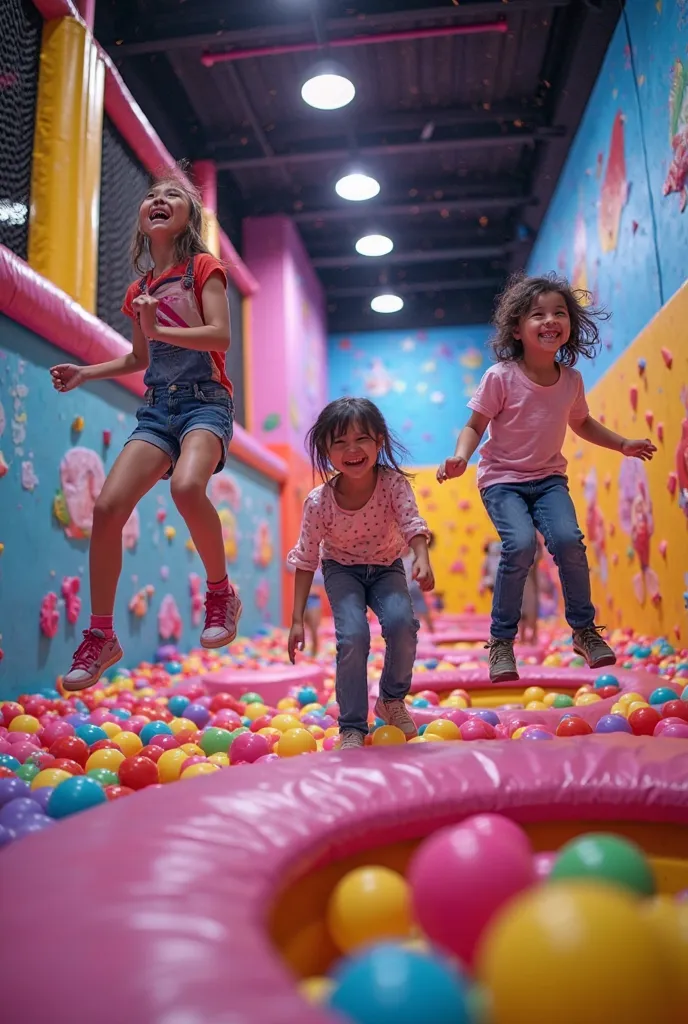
<point>312,719</point>
<point>10,789</point>
<point>29,825</point>
<point>491,717</point>
<point>536,734</point>
<point>42,795</point>
<point>77,719</point>
<point>6,836</point>
<point>613,723</point>
<point>197,714</point>
<point>326,722</point>
<point>18,810</point>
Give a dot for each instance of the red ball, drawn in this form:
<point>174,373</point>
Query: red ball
<point>258,723</point>
<point>137,772</point>
<point>67,765</point>
<point>73,748</point>
<point>608,691</point>
<point>115,792</point>
<point>153,751</point>
<point>10,709</point>
<point>643,721</point>
<point>574,726</point>
<point>166,741</point>
<point>6,773</point>
<point>224,700</point>
<point>676,709</point>
<point>104,745</point>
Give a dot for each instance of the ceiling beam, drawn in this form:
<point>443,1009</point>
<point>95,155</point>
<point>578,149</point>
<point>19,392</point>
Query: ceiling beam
<point>470,252</point>
<point>510,138</point>
<point>261,138</point>
<point>279,32</point>
<point>415,287</point>
<point>415,209</point>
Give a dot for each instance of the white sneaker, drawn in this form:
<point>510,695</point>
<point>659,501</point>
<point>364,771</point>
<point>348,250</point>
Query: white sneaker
<point>222,613</point>
<point>92,657</point>
<point>395,712</point>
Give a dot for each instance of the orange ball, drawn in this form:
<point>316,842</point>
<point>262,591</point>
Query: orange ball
<point>388,736</point>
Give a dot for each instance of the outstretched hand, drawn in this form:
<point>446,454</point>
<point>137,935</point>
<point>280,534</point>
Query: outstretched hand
<point>642,449</point>
<point>67,376</point>
<point>451,468</point>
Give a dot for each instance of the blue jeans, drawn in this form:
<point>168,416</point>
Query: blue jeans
<point>170,413</point>
<point>517,510</point>
<point>351,589</point>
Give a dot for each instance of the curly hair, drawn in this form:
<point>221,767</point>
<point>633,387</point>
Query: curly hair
<point>517,299</point>
<point>335,420</point>
<point>190,242</point>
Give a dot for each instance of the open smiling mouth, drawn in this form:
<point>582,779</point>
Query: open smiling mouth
<point>549,336</point>
<point>355,462</point>
<point>158,215</point>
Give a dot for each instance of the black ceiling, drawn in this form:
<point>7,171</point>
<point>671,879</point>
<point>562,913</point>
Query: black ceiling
<point>466,131</point>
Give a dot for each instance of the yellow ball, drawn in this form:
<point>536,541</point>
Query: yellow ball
<point>170,764</point>
<point>533,693</point>
<point>201,768</point>
<point>315,706</point>
<point>220,759</point>
<point>388,736</point>
<point>111,728</point>
<point>49,777</point>
<point>128,742</point>
<point>285,722</point>
<point>536,705</point>
<point>191,750</point>
<point>517,733</point>
<point>630,697</point>
<point>619,709</point>
<point>147,691</point>
<point>444,728</point>
<point>316,731</point>
<point>269,732</point>
<point>587,698</point>
<point>596,931</point>
<point>416,739</point>
<point>24,723</point>
<point>630,708</point>
<point>434,738</point>
<point>668,920</point>
<point>316,990</point>
<point>454,702</point>
<point>369,904</point>
<point>287,703</point>
<point>294,742</point>
<point>106,758</point>
<point>548,699</point>
<point>182,725</point>
<point>332,731</point>
<point>253,711</point>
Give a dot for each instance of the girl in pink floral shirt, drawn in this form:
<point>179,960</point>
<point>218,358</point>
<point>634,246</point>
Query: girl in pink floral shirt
<point>358,523</point>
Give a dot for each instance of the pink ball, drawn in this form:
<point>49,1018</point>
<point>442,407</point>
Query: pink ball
<point>517,723</point>
<point>54,730</point>
<point>194,759</point>
<point>460,877</point>
<point>543,864</point>
<point>675,730</point>
<point>500,829</point>
<point>136,723</point>
<point>166,741</point>
<point>429,695</point>
<point>329,743</point>
<point>458,716</point>
<point>226,719</point>
<point>501,732</point>
<point>101,715</point>
<point>248,747</point>
<point>22,737</point>
<point>333,710</point>
<point>476,729</point>
<point>267,758</point>
<point>23,751</point>
<point>663,723</point>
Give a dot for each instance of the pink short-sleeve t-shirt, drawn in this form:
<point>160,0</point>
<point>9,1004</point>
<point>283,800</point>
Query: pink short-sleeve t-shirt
<point>527,423</point>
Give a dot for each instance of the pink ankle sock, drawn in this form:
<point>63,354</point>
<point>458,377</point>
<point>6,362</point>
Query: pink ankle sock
<point>219,587</point>
<point>103,623</point>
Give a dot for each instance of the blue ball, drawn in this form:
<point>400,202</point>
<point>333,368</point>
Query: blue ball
<point>173,667</point>
<point>389,984</point>
<point>661,695</point>
<point>76,719</point>
<point>8,761</point>
<point>154,729</point>
<point>420,702</point>
<point>176,704</point>
<point>122,713</point>
<point>307,695</point>
<point>606,680</point>
<point>91,734</point>
<point>422,728</point>
<point>613,723</point>
<point>74,795</point>
<point>431,663</point>
<point>491,717</point>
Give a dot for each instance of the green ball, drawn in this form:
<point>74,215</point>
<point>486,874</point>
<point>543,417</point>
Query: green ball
<point>251,698</point>
<point>604,857</point>
<point>104,776</point>
<point>27,771</point>
<point>215,741</point>
<point>562,700</point>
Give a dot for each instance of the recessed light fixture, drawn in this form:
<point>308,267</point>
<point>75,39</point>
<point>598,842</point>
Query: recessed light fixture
<point>374,245</point>
<point>356,187</point>
<point>387,304</point>
<point>328,90</point>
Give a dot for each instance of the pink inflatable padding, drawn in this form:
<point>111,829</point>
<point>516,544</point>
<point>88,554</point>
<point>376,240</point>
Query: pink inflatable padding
<point>164,896</point>
<point>271,683</point>
<point>426,650</point>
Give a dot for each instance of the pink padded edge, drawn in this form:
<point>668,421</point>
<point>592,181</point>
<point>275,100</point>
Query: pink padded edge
<point>163,897</point>
<point>271,683</point>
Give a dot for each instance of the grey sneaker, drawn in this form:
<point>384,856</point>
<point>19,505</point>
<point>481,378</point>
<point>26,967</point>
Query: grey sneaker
<point>351,739</point>
<point>590,645</point>
<point>222,613</point>
<point>502,661</point>
<point>395,712</point>
<point>92,657</point>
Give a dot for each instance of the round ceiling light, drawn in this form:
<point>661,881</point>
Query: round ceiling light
<point>374,245</point>
<point>328,91</point>
<point>356,187</point>
<point>387,304</point>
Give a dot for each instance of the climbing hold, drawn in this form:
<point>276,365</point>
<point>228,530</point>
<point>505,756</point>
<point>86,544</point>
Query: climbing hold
<point>607,482</point>
<point>78,424</point>
<point>672,482</point>
<point>160,515</point>
<point>4,468</point>
<point>71,586</point>
<point>667,356</point>
<point>107,438</point>
<point>633,397</point>
<point>649,418</point>
<point>660,431</point>
<point>641,366</point>
<point>663,548</point>
<point>170,533</point>
<point>49,615</point>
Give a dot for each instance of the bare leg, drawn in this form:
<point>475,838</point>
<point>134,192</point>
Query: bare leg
<point>137,468</point>
<point>200,455</point>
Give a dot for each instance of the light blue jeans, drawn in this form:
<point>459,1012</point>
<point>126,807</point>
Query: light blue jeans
<point>351,589</point>
<point>517,510</point>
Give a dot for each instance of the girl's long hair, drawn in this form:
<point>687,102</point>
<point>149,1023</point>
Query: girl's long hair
<point>190,241</point>
<point>335,420</point>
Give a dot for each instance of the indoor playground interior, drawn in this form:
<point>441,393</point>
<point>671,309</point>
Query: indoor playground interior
<point>184,842</point>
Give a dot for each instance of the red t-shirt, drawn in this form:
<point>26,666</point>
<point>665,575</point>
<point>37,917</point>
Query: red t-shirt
<point>205,266</point>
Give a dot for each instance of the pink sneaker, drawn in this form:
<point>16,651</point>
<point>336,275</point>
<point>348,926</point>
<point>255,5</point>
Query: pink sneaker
<point>394,712</point>
<point>92,657</point>
<point>222,613</point>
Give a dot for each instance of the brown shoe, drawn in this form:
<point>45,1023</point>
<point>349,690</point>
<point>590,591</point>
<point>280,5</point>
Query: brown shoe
<point>502,661</point>
<point>590,645</point>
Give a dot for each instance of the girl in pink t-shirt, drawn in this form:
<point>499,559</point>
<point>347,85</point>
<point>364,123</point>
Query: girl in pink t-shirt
<point>358,523</point>
<point>525,402</point>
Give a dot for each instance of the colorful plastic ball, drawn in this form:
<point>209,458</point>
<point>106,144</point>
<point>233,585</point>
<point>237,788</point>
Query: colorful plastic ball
<point>75,795</point>
<point>612,723</point>
<point>169,764</point>
<point>283,722</point>
<point>128,742</point>
<point>487,715</point>
<point>606,679</point>
<point>643,720</point>
<point>620,970</point>
<point>315,990</point>
<point>49,777</point>
<point>17,810</point>
<point>367,905</point>
<point>662,694</point>
<point>543,864</point>
<point>459,878</point>
<point>25,723</point>
<point>605,857</point>
<point>27,771</point>
<point>254,711</point>
<point>675,709</point>
<point>668,919</point>
<point>497,828</point>
<point>198,714</point>
<point>562,700</point>
<point>29,826</point>
<point>294,742</point>
<point>104,776</point>
<point>306,695</point>
<point>194,771</point>
<point>220,759</point>
<point>476,729</point>
<point>105,758</point>
<point>255,698</point>
<point>388,736</point>
<point>177,703</point>
<point>573,725</point>
<point>390,984</point>
<point>10,761</point>
<point>533,693</point>
<point>249,746</point>
<point>673,730</point>
<point>153,729</point>
<point>443,728</point>
<point>532,732</point>
<point>53,731</point>
<point>90,734</point>
<point>11,788</point>
<point>152,751</point>
<point>214,741</point>
<point>137,772</point>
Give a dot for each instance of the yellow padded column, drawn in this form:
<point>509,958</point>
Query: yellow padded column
<point>211,232</point>
<point>65,182</point>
